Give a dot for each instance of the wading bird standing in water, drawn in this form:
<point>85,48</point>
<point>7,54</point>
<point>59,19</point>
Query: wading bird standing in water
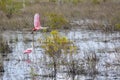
<point>28,51</point>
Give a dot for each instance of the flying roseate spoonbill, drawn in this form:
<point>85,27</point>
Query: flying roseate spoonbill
<point>28,51</point>
<point>37,24</point>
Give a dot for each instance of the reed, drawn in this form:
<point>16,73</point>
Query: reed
<point>4,47</point>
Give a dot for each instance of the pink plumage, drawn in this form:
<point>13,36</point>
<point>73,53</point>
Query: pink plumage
<point>37,24</point>
<point>28,51</point>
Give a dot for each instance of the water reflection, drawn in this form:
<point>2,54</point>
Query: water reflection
<point>97,58</point>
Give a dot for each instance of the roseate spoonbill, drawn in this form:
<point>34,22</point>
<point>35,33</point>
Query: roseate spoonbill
<point>37,24</point>
<point>28,51</point>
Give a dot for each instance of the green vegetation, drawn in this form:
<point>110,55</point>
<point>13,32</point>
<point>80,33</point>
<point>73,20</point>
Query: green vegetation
<point>52,0</point>
<point>96,1</point>
<point>9,7</point>
<point>55,45</point>
<point>56,21</point>
<point>76,1</point>
<point>33,73</point>
<point>4,47</point>
<point>117,26</point>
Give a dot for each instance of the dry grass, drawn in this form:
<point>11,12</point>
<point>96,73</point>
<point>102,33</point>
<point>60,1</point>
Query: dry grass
<point>107,12</point>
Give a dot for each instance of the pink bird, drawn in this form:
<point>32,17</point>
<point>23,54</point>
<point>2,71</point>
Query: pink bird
<point>37,24</point>
<point>28,51</point>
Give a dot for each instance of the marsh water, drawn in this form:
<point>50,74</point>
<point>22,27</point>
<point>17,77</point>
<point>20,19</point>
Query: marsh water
<point>97,58</point>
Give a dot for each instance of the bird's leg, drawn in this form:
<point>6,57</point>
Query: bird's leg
<point>32,32</point>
